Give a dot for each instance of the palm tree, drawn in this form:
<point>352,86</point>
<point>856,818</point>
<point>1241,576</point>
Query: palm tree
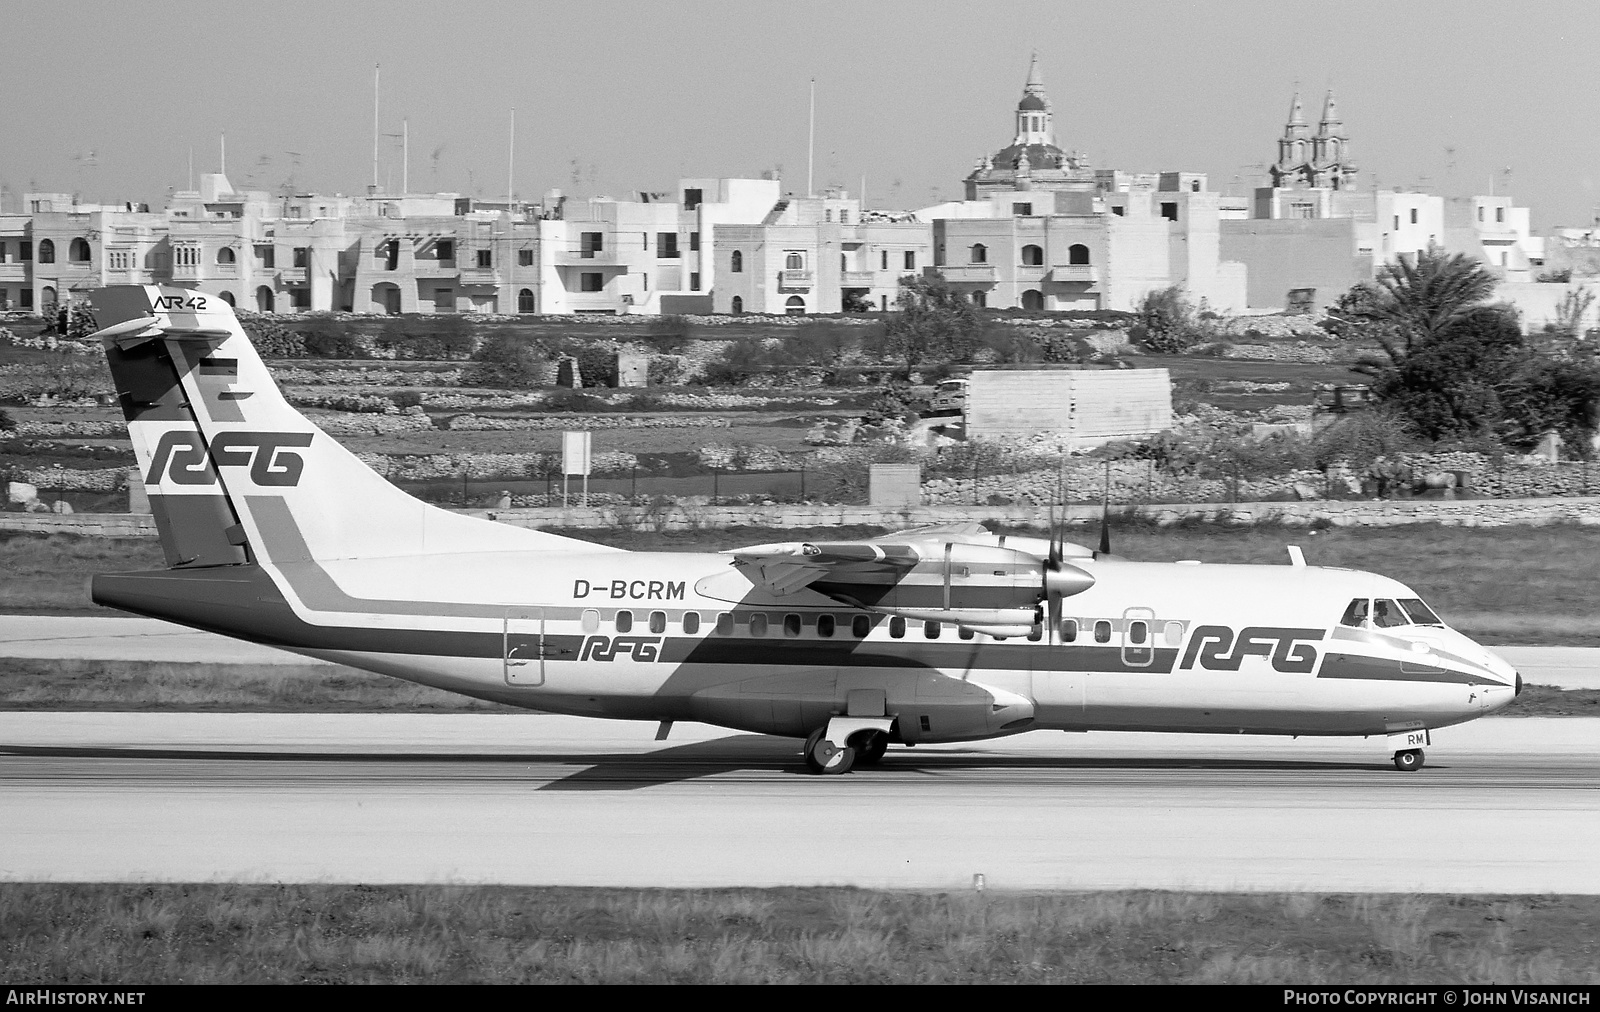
<point>1417,301</point>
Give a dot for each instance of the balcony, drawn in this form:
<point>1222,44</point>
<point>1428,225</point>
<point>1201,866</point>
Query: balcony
<point>585,257</point>
<point>795,279</point>
<point>858,279</point>
<point>979,274</point>
<point>286,275</point>
<point>1085,273</point>
<point>15,272</point>
<point>480,276</point>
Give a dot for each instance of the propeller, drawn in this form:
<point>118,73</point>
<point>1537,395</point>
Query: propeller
<point>1059,579</point>
<point>1105,513</point>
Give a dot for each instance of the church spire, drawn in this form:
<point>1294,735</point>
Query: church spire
<point>1297,113</point>
<point>1330,116</point>
<point>1033,112</point>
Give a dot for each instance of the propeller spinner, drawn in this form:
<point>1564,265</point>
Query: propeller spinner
<point>1059,579</point>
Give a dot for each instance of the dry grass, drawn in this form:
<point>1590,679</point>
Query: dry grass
<point>27,684</point>
<point>443,934</point>
<point>50,573</point>
<point>1527,585</point>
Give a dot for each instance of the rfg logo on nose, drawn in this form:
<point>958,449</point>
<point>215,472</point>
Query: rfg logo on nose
<point>183,458</point>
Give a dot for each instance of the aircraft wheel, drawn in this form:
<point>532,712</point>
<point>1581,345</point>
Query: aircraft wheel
<point>870,747</point>
<point>823,756</point>
<point>1408,761</point>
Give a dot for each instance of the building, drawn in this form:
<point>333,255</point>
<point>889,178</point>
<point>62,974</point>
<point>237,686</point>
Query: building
<point>817,255</point>
<point>76,247</point>
<point>1089,250</point>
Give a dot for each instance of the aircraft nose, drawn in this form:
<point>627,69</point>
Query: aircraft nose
<point>1519,684</point>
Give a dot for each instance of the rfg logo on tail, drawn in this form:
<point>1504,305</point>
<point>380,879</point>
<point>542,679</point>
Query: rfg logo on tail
<point>1218,650</point>
<point>183,458</point>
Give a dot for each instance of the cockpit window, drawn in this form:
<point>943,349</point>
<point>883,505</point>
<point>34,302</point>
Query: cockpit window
<point>1356,614</point>
<point>1420,613</point>
<point>1387,615</point>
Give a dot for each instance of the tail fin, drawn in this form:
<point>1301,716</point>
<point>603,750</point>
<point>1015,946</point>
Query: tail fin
<point>235,474</point>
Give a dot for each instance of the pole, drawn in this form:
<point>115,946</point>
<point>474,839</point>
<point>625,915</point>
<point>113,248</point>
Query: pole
<point>405,156</point>
<point>811,141</point>
<point>376,67</point>
<point>715,491</point>
<point>222,152</point>
<point>634,494</point>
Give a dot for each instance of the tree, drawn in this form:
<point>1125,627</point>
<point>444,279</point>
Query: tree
<point>1168,322</point>
<point>1417,300</point>
<point>935,323</point>
<point>1455,368</point>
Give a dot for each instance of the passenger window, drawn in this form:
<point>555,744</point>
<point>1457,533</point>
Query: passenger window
<point>1137,633</point>
<point>860,627</point>
<point>725,624</point>
<point>658,621</point>
<point>1174,633</point>
<point>1102,631</point>
<point>591,620</point>
<point>930,630</point>
<point>691,622</point>
<point>1069,630</point>
<point>758,623</point>
<point>897,627</point>
<point>1356,614</point>
<point>966,634</point>
<point>791,625</point>
<point>1036,633</point>
<point>1387,615</point>
<point>624,621</point>
<point>825,625</point>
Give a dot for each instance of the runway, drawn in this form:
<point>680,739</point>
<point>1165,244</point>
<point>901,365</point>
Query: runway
<point>126,638</point>
<point>1505,805</point>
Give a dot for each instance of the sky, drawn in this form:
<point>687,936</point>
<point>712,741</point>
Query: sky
<point>108,99</point>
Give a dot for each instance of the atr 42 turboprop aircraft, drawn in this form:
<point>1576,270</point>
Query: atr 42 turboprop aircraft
<point>275,533</point>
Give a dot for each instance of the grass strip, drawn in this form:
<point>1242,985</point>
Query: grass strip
<point>76,684</point>
<point>38,684</point>
<point>223,933</point>
<point>1526,585</point>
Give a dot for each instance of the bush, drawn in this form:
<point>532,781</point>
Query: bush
<point>406,399</point>
<point>1168,323</point>
<point>270,338</point>
<point>510,361</point>
<point>7,423</point>
<point>597,361</point>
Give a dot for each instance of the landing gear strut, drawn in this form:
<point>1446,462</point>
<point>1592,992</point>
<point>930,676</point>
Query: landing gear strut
<point>1408,760</point>
<point>823,756</point>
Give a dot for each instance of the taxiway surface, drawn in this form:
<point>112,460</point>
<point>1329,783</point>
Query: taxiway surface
<point>1504,805</point>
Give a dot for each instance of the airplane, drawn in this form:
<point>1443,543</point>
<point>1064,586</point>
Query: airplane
<point>275,533</point>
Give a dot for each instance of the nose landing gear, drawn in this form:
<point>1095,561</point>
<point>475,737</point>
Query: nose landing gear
<point>1408,760</point>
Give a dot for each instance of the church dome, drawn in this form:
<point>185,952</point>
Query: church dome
<point>1040,156</point>
<point>1031,103</point>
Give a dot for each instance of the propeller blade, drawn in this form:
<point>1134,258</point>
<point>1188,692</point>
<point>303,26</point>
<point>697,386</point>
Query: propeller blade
<point>1105,513</point>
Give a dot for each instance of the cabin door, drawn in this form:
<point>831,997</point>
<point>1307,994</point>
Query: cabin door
<point>1138,637</point>
<point>524,646</point>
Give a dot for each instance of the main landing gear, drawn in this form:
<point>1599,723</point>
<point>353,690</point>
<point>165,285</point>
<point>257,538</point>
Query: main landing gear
<point>864,746</point>
<point>1408,760</point>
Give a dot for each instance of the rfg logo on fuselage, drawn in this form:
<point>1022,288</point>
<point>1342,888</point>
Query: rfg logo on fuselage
<point>183,458</point>
<point>606,648</point>
<point>1218,650</point>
